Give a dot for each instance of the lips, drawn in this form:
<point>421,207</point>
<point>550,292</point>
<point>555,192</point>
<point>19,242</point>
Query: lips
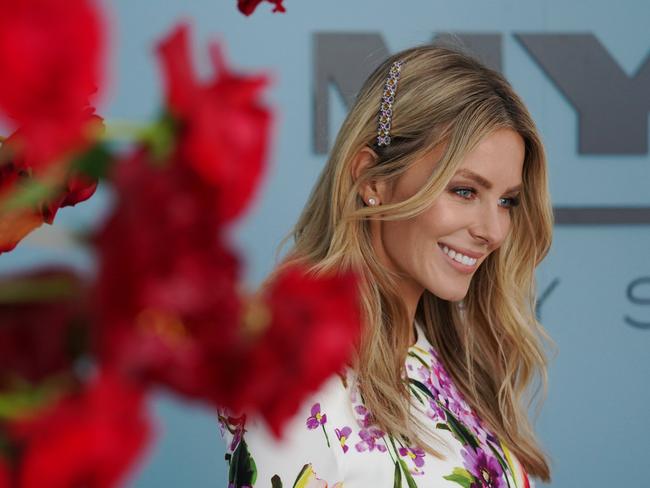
<point>466,269</point>
<point>462,250</point>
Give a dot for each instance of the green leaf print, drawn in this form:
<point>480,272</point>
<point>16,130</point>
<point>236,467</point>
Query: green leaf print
<point>276,482</point>
<point>243,471</point>
<point>422,387</point>
<point>398,476</point>
<point>461,476</point>
<point>407,474</point>
<point>416,394</point>
<point>303,472</point>
<point>422,361</point>
<point>458,428</point>
<point>501,461</point>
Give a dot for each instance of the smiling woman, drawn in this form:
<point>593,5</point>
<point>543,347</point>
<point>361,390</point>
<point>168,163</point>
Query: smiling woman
<point>470,223</point>
<point>441,205</point>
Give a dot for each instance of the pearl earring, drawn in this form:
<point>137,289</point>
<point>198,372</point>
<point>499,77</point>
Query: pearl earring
<point>372,201</point>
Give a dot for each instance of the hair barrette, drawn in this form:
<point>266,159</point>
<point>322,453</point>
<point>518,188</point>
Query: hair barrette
<point>386,107</point>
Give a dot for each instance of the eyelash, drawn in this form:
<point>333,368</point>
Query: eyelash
<point>514,201</point>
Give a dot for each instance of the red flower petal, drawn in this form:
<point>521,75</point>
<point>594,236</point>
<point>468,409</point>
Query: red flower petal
<point>91,439</point>
<point>5,479</point>
<point>37,331</point>
<point>180,81</point>
<point>313,329</point>
<point>166,290</point>
<point>16,224</point>
<point>224,129</point>
<point>247,7</point>
<point>50,56</point>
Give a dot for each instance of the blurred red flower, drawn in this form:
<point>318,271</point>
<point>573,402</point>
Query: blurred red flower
<point>41,324</point>
<point>5,476</point>
<point>247,7</point>
<point>224,128</point>
<point>50,57</point>
<point>89,439</point>
<point>166,286</point>
<point>71,187</point>
<point>299,332</point>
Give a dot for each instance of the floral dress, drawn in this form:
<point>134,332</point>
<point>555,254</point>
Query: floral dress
<point>333,442</point>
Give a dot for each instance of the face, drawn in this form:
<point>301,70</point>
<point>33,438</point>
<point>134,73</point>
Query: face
<point>441,249</point>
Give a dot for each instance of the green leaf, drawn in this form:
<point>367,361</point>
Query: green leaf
<point>43,289</point>
<point>461,476</point>
<point>422,387</point>
<point>23,397</point>
<point>160,137</point>
<point>422,361</point>
<point>276,482</point>
<point>95,162</point>
<point>397,483</point>
<point>458,428</point>
<point>407,474</point>
<point>502,462</point>
<point>29,194</point>
<point>243,471</point>
<point>301,473</point>
<point>416,394</point>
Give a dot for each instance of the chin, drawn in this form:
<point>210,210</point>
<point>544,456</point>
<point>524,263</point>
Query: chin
<point>450,295</point>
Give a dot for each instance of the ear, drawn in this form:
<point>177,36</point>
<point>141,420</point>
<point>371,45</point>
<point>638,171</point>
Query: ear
<point>362,161</point>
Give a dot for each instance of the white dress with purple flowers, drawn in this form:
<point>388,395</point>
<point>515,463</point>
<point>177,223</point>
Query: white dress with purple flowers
<point>332,442</point>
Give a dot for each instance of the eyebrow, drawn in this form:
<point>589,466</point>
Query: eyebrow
<point>480,180</point>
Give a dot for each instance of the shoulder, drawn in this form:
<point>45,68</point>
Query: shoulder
<point>308,448</point>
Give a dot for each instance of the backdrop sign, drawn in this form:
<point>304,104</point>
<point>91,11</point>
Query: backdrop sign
<point>612,106</point>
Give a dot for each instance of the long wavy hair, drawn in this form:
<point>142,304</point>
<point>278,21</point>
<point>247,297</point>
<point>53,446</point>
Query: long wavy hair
<point>490,342</point>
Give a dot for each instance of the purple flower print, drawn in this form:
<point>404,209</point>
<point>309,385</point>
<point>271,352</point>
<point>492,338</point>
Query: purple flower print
<point>364,417</point>
<point>236,438</point>
<point>369,438</point>
<point>232,425</point>
<point>416,455</point>
<point>342,435</point>
<point>316,418</point>
<point>443,379</point>
<point>484,467</point>
<point>425,376</point>
<point>476,426</point>
<point>437,412</point>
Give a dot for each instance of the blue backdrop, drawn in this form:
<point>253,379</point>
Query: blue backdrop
<point>595,283</point>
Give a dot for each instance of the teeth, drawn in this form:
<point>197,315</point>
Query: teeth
<point>456,256</point>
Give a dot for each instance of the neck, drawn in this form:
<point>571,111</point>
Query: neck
<point>411,301</point>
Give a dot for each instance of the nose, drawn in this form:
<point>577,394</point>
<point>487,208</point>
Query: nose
<point>491,225</point>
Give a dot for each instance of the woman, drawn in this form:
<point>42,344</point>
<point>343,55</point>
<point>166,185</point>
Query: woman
<point>436,193</point>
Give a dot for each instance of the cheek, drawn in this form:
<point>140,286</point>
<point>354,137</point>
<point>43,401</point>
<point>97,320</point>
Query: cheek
<point>406,241</point>
<point>400,237</point>
<point>442,219</point>
<point>507,227</point>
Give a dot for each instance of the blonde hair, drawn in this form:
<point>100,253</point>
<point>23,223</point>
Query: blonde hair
<point>491,342</point>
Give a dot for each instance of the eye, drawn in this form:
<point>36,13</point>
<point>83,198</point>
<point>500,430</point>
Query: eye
<point>467,193</point>
<point>511,202</point>
<point>464,192</point>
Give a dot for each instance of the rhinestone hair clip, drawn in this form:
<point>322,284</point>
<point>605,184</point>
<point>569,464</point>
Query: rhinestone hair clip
<point>386,108</point>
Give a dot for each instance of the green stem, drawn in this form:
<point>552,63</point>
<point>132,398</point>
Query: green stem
<point>388,449</point>
<point>326,437</point>
<point>124,130</point>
